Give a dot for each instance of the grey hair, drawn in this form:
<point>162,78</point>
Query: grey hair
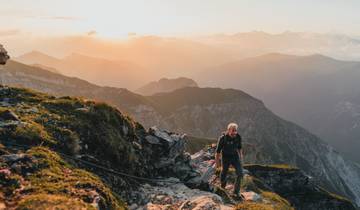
<point>232,125</point>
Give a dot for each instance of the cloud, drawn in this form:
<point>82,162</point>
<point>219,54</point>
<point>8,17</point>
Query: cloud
<point>70,18</point>
<point>132,34</point>
<point>10,32</point>
<point>91,33</point>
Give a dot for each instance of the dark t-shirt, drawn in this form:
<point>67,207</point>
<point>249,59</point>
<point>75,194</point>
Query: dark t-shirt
<point>228,146</point>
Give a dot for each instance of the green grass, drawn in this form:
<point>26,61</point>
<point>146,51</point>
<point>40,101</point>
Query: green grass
<point>46,201</point>
<point>56,184</point>
<point>270,200</point>
<point>57,125</point>
<point>271,166</point>
<point>107,133</point>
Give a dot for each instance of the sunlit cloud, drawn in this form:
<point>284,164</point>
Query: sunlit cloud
<point>9,32</point>
<point>69,18</point>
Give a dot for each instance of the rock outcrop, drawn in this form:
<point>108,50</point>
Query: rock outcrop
<point>3,55</point>
<point>292,184</point>
<point>298,188</point>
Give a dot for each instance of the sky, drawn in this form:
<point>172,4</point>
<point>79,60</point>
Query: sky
<point>120,18</point>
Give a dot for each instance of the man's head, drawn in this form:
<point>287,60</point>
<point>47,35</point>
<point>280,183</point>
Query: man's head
<point>3,55</point>
<point>232,129</point>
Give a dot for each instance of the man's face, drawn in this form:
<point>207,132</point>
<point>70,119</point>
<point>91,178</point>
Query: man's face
<point>232,132</point>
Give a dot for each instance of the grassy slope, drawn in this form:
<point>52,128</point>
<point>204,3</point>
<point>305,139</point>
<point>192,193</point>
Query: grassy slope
<point>46,181</point>
<point>67,125</point>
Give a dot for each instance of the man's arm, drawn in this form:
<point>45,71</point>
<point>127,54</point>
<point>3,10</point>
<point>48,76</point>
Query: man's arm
<point>240,150</point>
<point>241,154</point>
<point>218,151</point>
<point>217,160</point>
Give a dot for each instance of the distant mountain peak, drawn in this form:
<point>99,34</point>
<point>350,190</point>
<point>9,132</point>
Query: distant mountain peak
<point>166,85</point>
<point>36,53</point>
<point>280,57</point>
<point>277,55</point>
<point>320,56</point>
<point>40,57</point>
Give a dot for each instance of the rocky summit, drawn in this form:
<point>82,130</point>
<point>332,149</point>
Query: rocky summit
<point>72,153</point>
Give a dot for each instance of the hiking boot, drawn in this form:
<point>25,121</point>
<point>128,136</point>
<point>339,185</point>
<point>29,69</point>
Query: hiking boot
<point>238,196</point>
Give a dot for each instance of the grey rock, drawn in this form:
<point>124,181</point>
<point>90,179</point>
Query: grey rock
<point>12,157</point>
<point>9,124</point>
<point>83,109</point>
<point>3,55</point>
<point>8,115</point>
<point>163,135</point>
<point>152,139</point>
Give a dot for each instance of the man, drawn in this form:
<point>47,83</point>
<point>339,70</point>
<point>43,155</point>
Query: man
<point>230,148</point>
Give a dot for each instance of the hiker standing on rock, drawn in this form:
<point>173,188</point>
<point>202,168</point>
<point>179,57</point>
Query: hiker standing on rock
<point>230,147</point>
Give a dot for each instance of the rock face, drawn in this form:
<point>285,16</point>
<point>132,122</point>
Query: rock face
<point>169,155</point>
<point>3,55</point>
<point>166,85</point>
<point>290,183</point>
<point>298,188</point>
<point>8,115</point>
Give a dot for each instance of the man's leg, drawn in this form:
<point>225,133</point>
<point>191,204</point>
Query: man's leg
<point>225,167</point>
<point>239,174</point>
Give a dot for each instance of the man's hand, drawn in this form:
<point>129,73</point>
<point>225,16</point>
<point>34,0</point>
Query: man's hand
<point>241,155</point>
<point>217,164</point>
<point>217,161</point>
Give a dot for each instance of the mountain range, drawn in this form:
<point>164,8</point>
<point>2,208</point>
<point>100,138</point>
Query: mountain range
<point>118,73</point>
<point>204,112</point>
<point>317,92</point>
<point>255,43</point>
<point>73,153</point>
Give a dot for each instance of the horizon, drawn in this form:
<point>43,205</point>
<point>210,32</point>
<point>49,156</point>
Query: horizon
<point>114,19</point>
<point>49,45</point>
<point>40,25</point>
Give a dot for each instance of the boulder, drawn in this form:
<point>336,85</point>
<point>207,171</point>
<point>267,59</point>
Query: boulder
<point>169,154</point>
<point>3,55</point>
<point>8,115</point>
<point>251,196</point>
<point>12,157</point>
<point>202,203</point>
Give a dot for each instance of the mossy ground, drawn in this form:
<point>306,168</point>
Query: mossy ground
<point>49,182</point>
<point>73,126</point>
